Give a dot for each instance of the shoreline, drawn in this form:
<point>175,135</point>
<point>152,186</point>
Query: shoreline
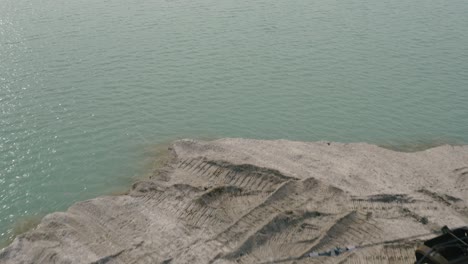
<point>231,176</point>
<point>153,157</point>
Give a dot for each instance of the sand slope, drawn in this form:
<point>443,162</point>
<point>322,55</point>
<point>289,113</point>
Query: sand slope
<point>253,201</point>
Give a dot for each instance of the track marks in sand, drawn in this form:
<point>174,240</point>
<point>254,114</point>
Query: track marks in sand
<point>383,205</point>
<point>392,208</point>
<point>394,254</point>
<point>273,223</point>
<point>445,199</point>
<point>353,228</point>
<point>461,179</point>
<point>200,210</point>
<point>223,173</point>
<point>277,220</point>
<point>462,171</point>
<point>288,233</point>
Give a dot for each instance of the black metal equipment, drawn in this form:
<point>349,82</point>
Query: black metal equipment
<point>449,248</point>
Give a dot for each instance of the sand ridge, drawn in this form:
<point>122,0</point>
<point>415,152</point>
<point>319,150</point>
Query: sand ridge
<point>257,201</point>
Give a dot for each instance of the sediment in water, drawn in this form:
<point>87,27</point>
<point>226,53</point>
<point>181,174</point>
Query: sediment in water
<point>254,201</point>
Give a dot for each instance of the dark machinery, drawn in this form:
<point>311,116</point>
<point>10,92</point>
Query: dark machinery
<point>449,248</point>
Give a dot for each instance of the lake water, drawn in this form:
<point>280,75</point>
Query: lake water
<point>90,90</point>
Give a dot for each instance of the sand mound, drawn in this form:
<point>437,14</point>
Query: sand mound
<point>252,201</point>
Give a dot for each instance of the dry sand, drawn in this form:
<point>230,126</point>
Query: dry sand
<point>253,201</point>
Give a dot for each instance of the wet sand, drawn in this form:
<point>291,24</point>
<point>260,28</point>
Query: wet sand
<point>254,201</point>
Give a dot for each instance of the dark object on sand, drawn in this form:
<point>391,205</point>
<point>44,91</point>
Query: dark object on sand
<point>449,248</point>
<point>331,253</point>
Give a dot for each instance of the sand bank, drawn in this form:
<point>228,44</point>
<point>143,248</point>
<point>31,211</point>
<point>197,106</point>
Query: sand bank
<point>254,201</point>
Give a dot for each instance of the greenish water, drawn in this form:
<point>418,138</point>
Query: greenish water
<point>88,89</point>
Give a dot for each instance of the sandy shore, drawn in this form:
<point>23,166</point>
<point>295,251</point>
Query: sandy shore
<point>253,201</point>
